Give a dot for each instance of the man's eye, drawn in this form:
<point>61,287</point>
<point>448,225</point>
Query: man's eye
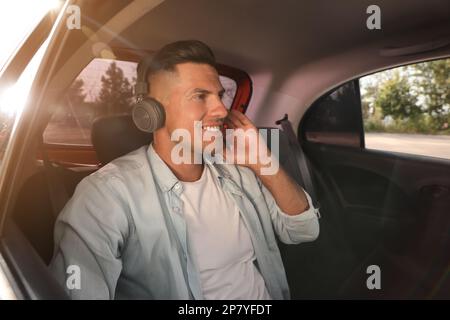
<point>200,97</point>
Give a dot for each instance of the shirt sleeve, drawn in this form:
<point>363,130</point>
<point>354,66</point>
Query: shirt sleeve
<point>293,229</point>
<point>90,233</point>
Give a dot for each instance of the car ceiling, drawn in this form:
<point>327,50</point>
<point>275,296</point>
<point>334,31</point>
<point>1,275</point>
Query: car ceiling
<point>273,40</point>
<point>256,34</point>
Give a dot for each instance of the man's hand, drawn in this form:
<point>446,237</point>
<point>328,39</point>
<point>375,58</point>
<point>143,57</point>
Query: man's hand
<point>288,195</point>
<point>249,147</point>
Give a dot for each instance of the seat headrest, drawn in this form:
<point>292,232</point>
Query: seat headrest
<point>115,136</point>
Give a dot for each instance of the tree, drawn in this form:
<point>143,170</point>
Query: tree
<point>416,97</point>
<point>395,99</point>
<point>75,93</point>
<point>368,94</point>
<point>116,93</point>
<point>73,104</point>
<point>432,80</point>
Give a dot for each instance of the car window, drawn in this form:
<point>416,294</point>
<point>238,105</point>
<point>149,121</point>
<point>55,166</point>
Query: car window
<point>404,109</point>
<point>336,117</point>
<point>105,87</point>
<point>407,109</point>
<point>13,96</point>
<point>30,13</point>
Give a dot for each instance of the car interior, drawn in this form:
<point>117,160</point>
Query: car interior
<point>286,57</point>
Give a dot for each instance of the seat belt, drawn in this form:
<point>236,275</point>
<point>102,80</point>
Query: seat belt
<point>57,189</point>
<point>302,161</point>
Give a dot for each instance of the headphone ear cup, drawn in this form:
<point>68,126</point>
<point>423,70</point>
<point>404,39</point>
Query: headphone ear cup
<point>148,115</point>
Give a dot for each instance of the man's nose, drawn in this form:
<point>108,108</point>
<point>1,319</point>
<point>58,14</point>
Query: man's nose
<point>219,110</point>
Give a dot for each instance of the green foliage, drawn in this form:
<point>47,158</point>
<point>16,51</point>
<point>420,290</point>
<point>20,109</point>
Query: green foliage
<point>116,93</point>
<point>433,81</point>
<point>412,99</point>
<point>395,99</point>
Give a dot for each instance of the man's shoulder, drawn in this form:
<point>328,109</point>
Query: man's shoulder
<point>115,182</point>
<point>123,167</point>
<point>118,177</point>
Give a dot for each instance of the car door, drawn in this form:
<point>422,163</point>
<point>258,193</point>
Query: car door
<point>385,191</point>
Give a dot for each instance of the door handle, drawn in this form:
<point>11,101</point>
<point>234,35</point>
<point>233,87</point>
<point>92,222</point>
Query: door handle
<point>434,191</point>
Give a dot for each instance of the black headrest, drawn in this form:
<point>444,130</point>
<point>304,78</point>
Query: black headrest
<point>115,136</point>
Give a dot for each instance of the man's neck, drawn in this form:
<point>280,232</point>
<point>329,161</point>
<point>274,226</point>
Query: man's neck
<point>184,172</point>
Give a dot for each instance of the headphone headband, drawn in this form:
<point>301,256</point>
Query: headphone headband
<point>141,87</point>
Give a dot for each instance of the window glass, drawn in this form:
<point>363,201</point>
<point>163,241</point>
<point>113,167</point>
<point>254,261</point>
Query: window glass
<point>105,87</point>
<point>407,109</point>
<point>22,16</point>
<point>14,98</point>
<point>336,117</point>
<point>230,87</point>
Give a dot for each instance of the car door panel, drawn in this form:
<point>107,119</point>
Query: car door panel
<point>390,208</point>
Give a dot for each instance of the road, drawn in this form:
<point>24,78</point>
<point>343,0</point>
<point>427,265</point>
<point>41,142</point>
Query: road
<point>427,145</point>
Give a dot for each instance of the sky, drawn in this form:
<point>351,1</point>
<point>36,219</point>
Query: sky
<point>17,19</point>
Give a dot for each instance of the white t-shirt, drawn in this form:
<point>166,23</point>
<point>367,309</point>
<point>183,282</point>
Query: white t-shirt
<point>220,242</point>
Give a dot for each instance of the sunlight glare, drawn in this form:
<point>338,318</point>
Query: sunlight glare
<point>17,20</point>
<point>14,98</point>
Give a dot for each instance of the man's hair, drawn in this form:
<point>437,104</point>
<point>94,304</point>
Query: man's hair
<point>176,53</point>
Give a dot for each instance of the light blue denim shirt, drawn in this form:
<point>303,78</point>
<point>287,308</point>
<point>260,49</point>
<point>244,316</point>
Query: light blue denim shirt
<point>124,230</point>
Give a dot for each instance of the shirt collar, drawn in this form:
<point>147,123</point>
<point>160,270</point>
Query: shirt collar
<point>167,180</point>
<point>224,176</point>
<point>161,171</point>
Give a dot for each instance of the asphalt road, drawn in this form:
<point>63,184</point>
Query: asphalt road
<point>427,145</point>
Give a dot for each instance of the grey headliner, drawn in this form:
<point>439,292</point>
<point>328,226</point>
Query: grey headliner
<point>293,50</point>
<point>258,34</point>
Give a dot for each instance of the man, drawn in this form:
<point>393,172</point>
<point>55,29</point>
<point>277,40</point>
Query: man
<point>147,226</point>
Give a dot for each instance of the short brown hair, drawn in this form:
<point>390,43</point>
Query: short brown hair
<point>175,53</point>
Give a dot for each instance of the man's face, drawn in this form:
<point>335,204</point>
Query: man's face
<point>194,94</point>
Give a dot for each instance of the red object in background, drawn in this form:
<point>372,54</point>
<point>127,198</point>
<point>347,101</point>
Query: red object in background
<point>243,83</point>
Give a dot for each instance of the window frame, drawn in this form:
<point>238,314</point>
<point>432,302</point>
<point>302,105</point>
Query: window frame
<point>302,133</point>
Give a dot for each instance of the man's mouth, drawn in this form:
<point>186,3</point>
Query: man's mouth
<point>215,128</point>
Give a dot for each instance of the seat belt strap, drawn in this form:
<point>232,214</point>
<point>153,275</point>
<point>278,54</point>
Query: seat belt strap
<point>302,161</point>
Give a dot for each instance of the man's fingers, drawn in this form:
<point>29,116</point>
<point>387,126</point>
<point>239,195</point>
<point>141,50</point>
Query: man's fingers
<point>241,117</point>
<point>233,121</point>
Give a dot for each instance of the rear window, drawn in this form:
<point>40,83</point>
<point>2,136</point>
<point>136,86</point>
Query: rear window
<point>103,88</point>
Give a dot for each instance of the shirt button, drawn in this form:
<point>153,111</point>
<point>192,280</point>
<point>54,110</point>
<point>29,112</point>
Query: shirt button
<point>176,209</point>
<point>177,186</point>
